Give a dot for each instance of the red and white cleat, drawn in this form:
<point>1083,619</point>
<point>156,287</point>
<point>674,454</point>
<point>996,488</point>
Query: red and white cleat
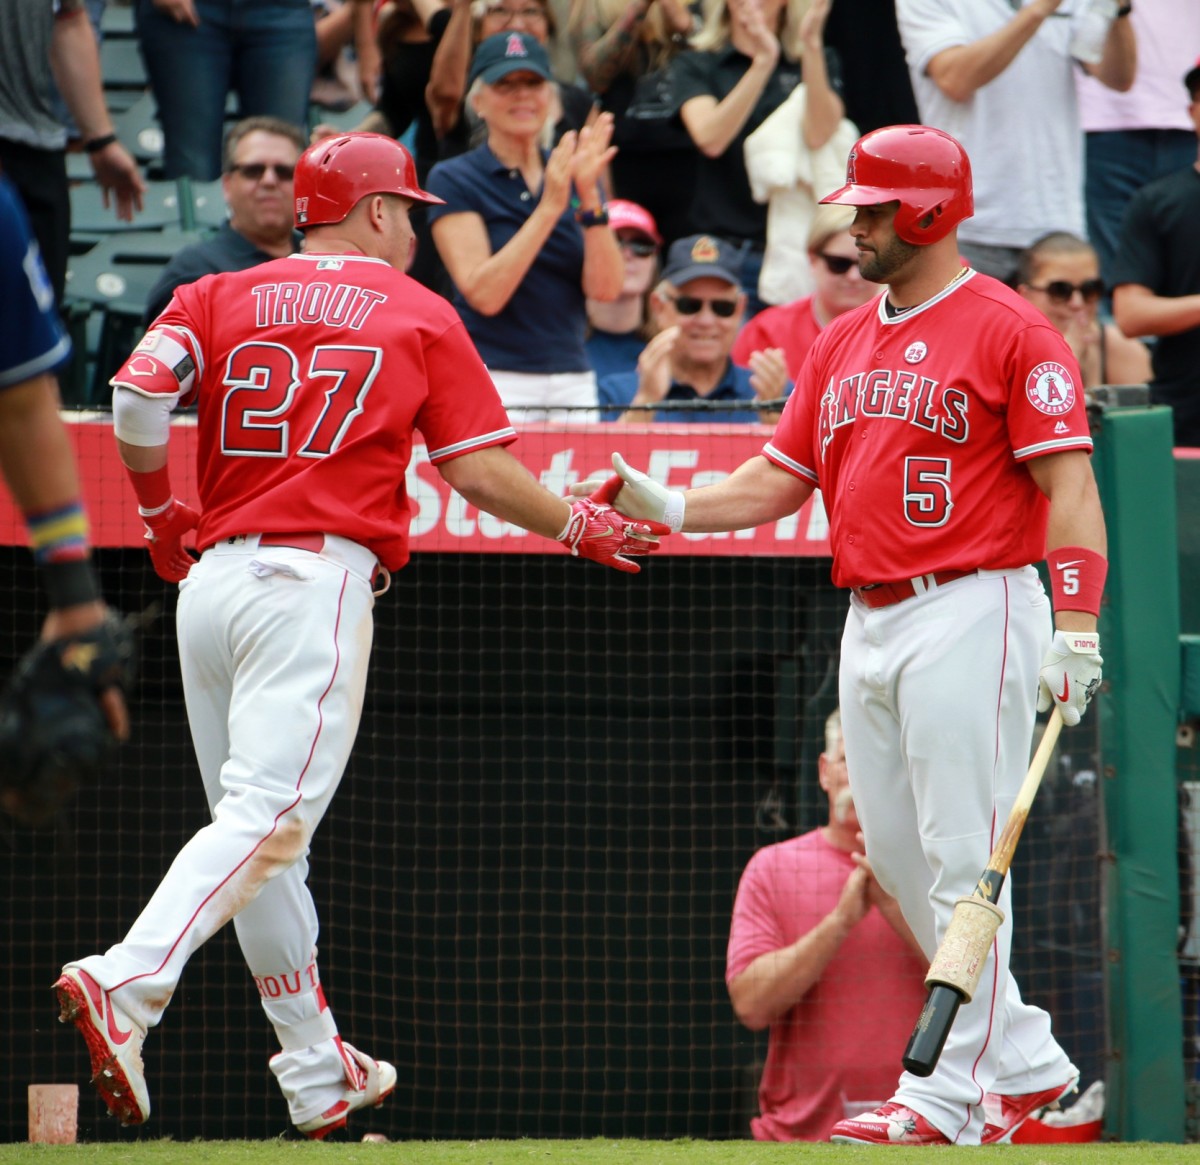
<point>114,1043</point>
<point>889,1124</point>
<point>368,1082</point>
<point>1006,1114</point>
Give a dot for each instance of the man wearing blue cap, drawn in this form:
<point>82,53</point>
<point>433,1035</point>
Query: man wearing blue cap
<point>698,309</point>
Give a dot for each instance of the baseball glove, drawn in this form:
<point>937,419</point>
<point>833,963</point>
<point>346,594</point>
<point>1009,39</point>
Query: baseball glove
<point>55,731</point>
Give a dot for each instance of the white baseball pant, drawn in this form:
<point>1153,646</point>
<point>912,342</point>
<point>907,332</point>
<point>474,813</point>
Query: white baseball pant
<point>938,695</point>
<point>274,645</point>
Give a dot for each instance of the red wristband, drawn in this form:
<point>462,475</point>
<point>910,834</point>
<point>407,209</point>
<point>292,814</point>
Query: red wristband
<point>1077,577</point>
<point>153,489</point>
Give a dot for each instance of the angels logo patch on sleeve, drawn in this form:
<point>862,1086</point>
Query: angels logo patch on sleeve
<point>1050,389</point>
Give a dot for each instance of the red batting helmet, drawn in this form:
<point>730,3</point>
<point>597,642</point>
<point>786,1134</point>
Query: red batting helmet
<point>333,175</point>
<point>926,169</point>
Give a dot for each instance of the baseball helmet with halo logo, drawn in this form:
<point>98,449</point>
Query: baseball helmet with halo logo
<point>336,173</point>
<point>924,168</point>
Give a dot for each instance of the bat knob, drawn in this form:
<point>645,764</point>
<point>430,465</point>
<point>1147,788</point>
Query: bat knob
<point>933,1026</point>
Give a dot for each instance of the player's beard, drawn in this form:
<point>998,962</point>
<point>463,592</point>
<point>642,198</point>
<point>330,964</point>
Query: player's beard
<point>881,265</point>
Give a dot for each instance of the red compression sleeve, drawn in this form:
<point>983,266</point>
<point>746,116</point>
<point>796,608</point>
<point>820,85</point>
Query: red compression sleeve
<point>153,489</point>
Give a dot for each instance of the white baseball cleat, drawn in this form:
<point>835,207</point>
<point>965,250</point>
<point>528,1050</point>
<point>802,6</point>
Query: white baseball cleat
<point>114,1043</point>
<point>368,1083</point>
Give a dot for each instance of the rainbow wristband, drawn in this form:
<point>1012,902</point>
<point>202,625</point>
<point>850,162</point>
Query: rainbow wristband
<point>59,539</point>
<point>59,535</point>
<point>1077,577</point>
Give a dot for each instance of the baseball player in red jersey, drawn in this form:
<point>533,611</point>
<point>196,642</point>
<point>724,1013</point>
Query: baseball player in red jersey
<point>310,374</point>
<point>944,424</point>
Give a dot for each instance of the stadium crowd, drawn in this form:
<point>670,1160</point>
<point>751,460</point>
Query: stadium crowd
<point>723,119</point>
<point>637,182</point>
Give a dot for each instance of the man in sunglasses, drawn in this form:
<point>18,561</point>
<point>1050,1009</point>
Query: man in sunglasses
<point>260,159</point>
<point>697,310</point>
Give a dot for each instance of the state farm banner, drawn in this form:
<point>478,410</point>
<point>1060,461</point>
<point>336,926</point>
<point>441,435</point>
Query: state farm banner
<point>681,456</point>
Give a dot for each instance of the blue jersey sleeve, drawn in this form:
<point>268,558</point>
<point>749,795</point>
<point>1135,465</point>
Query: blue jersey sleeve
<point>32,338</point>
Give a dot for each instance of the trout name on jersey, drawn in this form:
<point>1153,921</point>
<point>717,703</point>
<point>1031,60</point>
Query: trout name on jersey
<point>341,305</point>
<point>898,395</point>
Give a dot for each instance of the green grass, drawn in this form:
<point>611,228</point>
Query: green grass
<point>594,1152</point>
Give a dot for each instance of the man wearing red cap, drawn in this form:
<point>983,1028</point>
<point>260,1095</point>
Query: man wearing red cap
<point>1156,282</point>
<point>311,373</point>
<point>947,468</point>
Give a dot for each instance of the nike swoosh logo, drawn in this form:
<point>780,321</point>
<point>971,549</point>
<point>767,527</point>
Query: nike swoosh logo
<point>100,1001</point>
<point>1066,692</point>
<point>1064,565</point>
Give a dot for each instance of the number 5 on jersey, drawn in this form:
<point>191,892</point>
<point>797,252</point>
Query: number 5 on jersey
<point>927,491</point>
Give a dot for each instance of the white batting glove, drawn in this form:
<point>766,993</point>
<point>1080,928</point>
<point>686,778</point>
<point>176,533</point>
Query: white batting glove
<point>642,497</point>
<point>1070,674</point>
<point>634,494</point>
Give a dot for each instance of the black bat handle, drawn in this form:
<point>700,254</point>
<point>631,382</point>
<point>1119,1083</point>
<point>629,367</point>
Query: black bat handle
<point>933,1026</point>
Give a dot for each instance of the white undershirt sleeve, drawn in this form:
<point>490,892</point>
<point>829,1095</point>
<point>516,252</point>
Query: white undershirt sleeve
<point>142,420</point>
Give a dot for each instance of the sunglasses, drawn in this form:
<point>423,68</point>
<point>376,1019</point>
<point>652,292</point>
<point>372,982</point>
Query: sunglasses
<point>836,264</point>
<point>1061,291</point>
<point>255,170</point>
<point>690,305</point>
<point>638,247</point>
<point>508,15</point>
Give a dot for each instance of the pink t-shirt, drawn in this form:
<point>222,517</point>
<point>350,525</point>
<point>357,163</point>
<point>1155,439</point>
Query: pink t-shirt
<point>843,1041</point>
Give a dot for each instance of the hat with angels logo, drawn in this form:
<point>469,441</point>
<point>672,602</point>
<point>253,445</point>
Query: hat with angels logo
<point>508,52</point>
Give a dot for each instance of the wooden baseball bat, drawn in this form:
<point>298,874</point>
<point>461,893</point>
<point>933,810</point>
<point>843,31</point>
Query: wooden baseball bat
<point>956,968</point>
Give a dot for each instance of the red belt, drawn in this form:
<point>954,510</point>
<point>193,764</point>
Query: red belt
<point>885,594</point>
<point>313,542</point>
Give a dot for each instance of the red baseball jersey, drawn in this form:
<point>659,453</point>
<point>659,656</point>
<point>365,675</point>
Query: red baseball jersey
<point>915,429</point>
<point>310,374</point>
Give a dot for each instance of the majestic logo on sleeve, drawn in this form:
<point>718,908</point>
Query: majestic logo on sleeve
<point>1050,389</point>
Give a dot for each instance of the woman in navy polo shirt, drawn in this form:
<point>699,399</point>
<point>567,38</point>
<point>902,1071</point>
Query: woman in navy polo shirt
<point>525,236</point>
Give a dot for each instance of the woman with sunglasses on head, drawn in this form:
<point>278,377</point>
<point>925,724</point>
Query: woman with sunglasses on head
<point>838,287</point>
<point>471,22</point>
<point>524,233</point>
<point>624,49</point>
<point>1060,275</point>
<point>618,329</point>
<point>750,55</point>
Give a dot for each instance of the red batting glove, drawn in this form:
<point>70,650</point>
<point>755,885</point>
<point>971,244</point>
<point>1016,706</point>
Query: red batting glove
<point>600,533</point>
<point>606,493</point>
<point>165,529</point>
